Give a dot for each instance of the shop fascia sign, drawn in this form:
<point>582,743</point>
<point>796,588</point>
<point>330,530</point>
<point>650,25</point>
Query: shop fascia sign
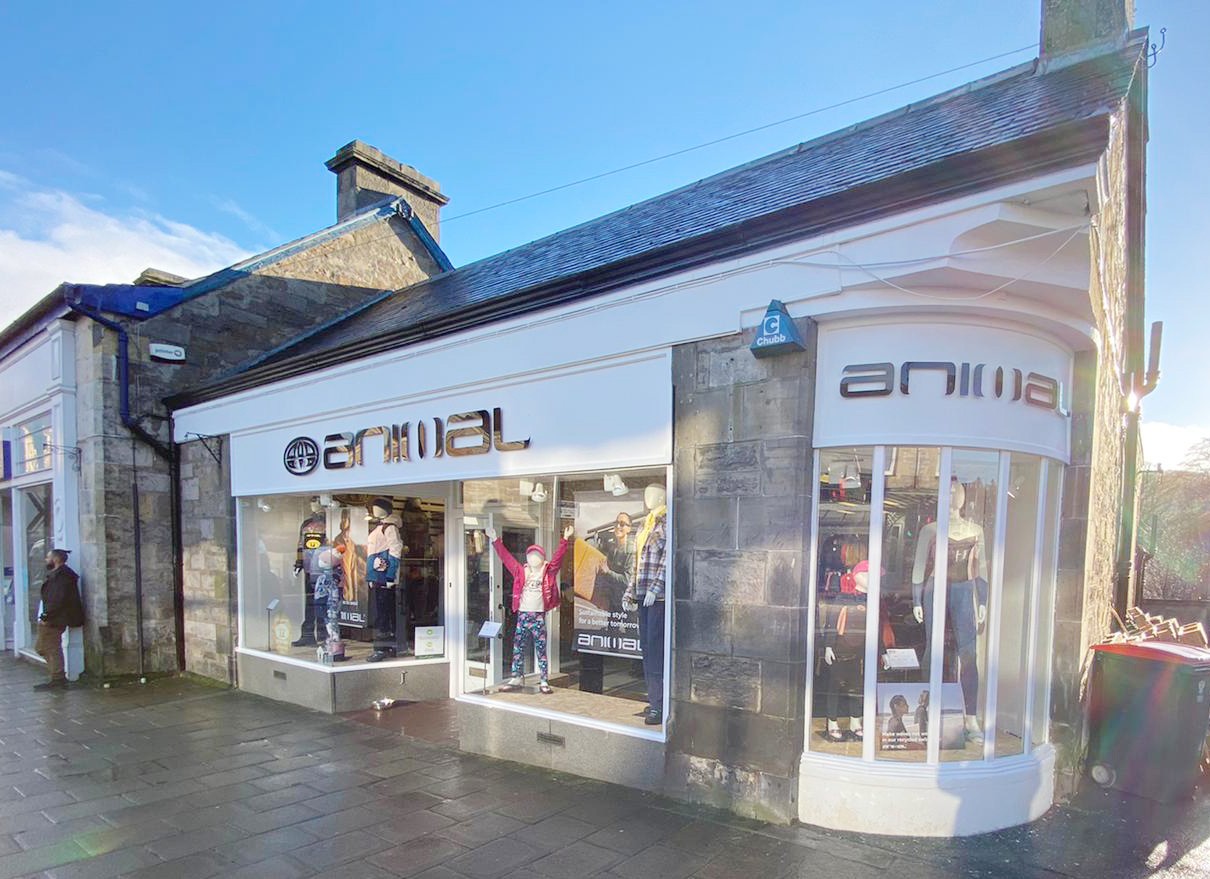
<point>460,435</point>
<point>974,380</point>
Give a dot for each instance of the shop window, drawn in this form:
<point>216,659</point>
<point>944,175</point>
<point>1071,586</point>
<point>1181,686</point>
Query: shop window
<point>37,516</point>
<point>841,587</point>
<point>1020,554</point>
<point>958,548</point>
<point>1044,630</point>
<point>904,690</point>
<point>604,642</point>
<point>347,578</point>
<point>33,444</point>
<point>8,592</point>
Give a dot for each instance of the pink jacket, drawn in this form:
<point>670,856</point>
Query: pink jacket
<point>550,575</point>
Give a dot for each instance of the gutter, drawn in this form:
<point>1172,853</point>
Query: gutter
<point>171,455</point>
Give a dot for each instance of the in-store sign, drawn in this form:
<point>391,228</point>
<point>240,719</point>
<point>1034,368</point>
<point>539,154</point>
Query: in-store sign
<point>964,379</point>
<point>459,435</point>
<point>777,333</point>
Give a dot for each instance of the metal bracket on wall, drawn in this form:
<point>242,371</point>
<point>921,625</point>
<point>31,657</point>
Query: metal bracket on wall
<point>216,451</point>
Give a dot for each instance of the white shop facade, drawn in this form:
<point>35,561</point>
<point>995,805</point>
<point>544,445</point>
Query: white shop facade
<point>941,433</point>
<point>39,483</point>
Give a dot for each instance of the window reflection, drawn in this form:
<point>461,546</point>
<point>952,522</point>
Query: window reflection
<point>909,536</point>
<point>934,599</point>
<point>972,526</point>
<point>842,584</point>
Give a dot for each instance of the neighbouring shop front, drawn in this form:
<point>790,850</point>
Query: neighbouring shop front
<point>39,486</point>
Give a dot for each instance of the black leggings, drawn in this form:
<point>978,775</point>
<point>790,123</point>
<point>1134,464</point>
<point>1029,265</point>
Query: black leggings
<point>843,687</point>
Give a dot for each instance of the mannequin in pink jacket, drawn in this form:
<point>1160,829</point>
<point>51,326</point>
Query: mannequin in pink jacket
<point>535,593</point>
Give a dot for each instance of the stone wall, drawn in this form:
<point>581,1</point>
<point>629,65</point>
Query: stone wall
<point>209,559</point>
<point>1092,490</point>
<point>742,445</point>
<point>251,314</point>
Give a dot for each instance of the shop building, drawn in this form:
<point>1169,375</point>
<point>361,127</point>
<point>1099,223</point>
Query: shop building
<point>89,464</point>
<point>864,394</point>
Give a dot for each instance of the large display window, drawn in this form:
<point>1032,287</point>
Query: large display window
<point>344,578</point>
<point>566,593</point>
<point>933,582</point>
<point>38,521</point>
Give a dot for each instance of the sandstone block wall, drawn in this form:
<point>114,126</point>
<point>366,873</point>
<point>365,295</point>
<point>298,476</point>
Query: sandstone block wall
<point>742,441</point>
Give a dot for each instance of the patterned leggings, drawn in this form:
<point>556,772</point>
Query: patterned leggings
<point>530,626</point>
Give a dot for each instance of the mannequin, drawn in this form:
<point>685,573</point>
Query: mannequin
<point>384,552</point>
<point>312,534</point>
<point>329,592</point>
<point>646,593</point>
<point>966,599</point>
<point>535,594</point>
<point>844,619</point>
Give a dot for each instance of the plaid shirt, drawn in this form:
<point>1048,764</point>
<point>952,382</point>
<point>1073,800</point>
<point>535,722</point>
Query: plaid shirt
<point>652,562</point>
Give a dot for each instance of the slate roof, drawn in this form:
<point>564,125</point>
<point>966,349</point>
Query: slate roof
<point>1020,103</point>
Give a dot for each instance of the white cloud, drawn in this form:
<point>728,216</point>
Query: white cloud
<point>1167,444</point>
<point>232,207</point>
<point>48,236</point>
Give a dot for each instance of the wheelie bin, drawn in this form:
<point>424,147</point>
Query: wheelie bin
<point>1149,711</point>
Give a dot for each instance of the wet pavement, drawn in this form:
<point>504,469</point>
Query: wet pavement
<point>180,780</point>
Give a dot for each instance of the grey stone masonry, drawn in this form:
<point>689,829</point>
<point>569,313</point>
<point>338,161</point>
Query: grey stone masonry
<point>742,446</point>
<point>252,313</point>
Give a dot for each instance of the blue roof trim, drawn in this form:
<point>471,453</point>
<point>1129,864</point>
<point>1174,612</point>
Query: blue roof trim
<point>127,300</point>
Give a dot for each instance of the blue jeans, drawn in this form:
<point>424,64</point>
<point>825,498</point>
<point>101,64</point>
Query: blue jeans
<point>651,641</point>
<point>960,601</point>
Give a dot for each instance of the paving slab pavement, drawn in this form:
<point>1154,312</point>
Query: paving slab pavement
<point>178,779</point>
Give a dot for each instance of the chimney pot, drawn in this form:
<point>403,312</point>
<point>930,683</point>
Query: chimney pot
<point>365,175</point>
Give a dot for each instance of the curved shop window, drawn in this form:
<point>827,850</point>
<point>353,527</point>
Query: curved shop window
<point>934,588</point>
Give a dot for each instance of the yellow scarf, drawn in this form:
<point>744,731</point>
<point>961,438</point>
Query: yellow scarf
<point>645,532</point>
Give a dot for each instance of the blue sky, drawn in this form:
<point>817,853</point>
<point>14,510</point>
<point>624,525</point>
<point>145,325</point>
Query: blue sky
<point>185,136</point>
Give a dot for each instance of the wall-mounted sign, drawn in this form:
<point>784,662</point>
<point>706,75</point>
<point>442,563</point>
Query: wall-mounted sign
<point>964,379</point>
<point>459,435</point>
<point>166,353</point>
<point>609,415</point>
<point>938,381</point>
<point>777,333</point>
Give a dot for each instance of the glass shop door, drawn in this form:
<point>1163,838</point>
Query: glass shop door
<point>484,603</point>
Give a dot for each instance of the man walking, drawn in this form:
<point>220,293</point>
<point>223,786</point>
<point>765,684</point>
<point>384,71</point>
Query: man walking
<point>61,609</point>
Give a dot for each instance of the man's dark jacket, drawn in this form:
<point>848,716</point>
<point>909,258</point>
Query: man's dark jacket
<point>61,605</point>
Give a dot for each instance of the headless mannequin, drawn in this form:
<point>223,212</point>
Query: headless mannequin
<point>844,670</point>
<point>647,589</point>
<point>967,577</point>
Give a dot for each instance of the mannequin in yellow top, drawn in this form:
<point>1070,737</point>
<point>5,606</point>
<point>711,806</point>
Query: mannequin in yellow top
<point>646,594</point>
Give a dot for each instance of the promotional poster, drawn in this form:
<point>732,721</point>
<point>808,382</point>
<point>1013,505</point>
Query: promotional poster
<point>604,559</point>
<point>903,723</point>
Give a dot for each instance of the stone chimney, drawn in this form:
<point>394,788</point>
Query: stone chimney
<point>1075,25</point>
<point>365,175</point>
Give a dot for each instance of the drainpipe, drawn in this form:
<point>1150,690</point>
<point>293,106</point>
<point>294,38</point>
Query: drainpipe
<point>1140,387</point>
<point>167,453</point>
